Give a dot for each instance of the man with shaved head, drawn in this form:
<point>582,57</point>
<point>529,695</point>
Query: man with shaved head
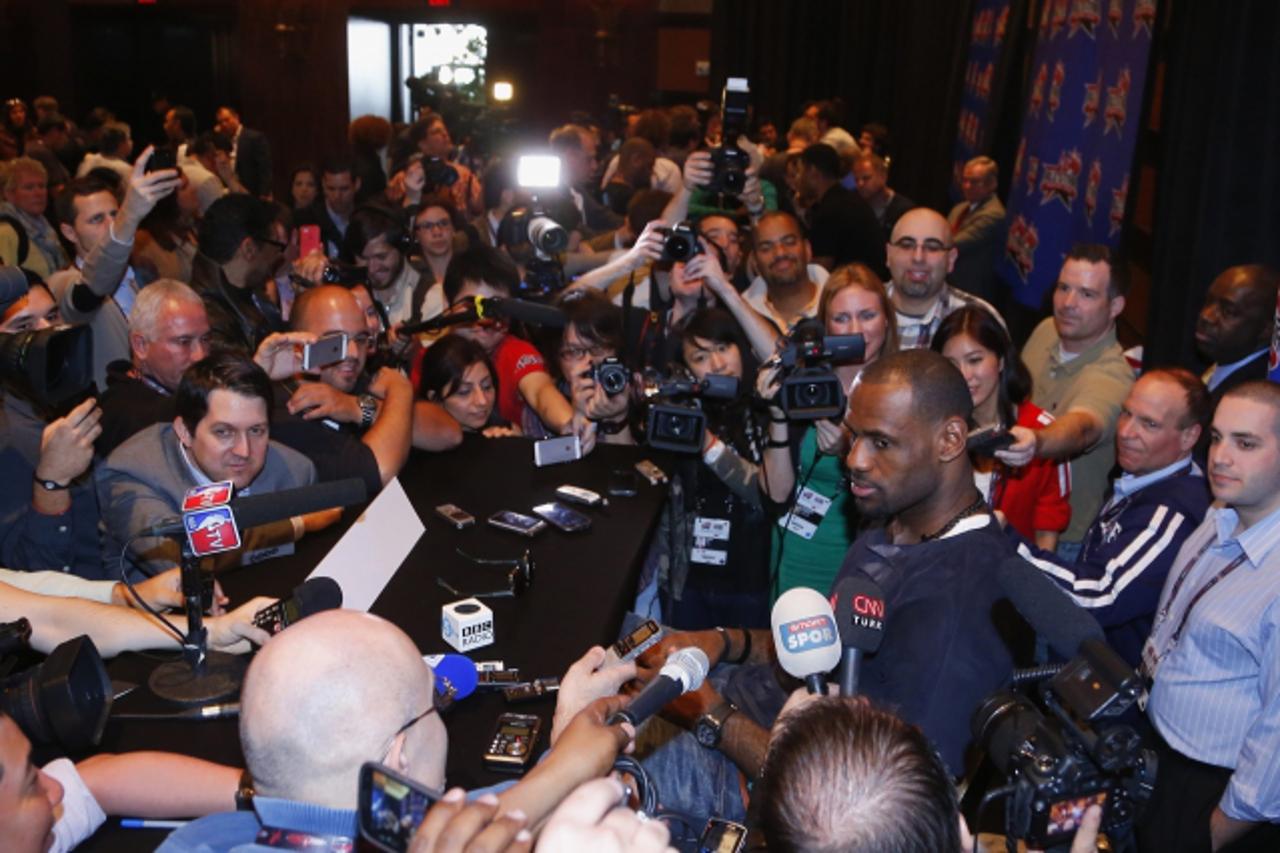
<point>932,547</point>
<point>341,688</point>
<point>920,255</point>
<point>349,423</point>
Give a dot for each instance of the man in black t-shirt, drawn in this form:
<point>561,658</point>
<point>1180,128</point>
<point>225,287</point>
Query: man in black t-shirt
<point>842,227</point>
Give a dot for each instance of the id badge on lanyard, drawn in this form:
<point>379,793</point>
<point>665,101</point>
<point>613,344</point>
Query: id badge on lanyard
<point>806,514</point>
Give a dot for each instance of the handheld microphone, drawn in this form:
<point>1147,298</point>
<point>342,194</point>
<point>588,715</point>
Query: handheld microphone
<point>805,636</point>
<point>683,672</point>
<point>455,676</point>
<point>1050,611</point>
<point>859,611</point>
<point>256,510</point>
<point>310,596</point>
<point>482,308</point>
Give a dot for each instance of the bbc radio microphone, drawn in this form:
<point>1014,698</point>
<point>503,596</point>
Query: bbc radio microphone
<point>858,603</point>
<point>683,672</point>
<point>805,636</point>
<point>455,677</point>
<point>310,596</point>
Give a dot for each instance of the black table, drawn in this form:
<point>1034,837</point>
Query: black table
<point>582,587</point>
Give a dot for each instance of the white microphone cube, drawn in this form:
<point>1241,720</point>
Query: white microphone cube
<point>466,624</point>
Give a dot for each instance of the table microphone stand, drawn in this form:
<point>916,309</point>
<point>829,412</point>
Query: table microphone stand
<point>201,676</point>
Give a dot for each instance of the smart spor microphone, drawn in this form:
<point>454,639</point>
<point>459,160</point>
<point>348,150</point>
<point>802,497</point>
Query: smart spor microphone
<point>859,610</point>
<point>310,596</point>
<point>805,636</point>
<point>684,671</point>
<point>1050,611</point>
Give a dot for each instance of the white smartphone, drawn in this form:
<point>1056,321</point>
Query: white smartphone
<point>553,451</point>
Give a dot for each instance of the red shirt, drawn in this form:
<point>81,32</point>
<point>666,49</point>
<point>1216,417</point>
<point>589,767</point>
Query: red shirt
<point>513,360</point>
<point>1038,495</point>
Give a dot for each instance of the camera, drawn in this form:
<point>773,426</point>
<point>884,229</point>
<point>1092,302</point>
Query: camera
<point>438,172</point>
<point>611,375</point>
<point>730,161</point>
<point>336,272</point>
<point>680,242</point>
<point>51,367</point>
<point>811,389</point>
<point>1059,765</point>
<point>64,700</point>
<point>676,426</point>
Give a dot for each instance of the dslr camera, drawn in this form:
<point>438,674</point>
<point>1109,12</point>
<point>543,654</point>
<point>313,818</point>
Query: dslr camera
<point>675,420</point>
<point>438,173</point>
<point>730,161</point>
<point>611,375</point>
<point>680,242</point>
<point>810,388</point>
<point>1059,764</point>
<point>531,234</point>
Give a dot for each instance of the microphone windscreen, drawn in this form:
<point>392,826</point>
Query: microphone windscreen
<point>804,633</point>
<point>456,672</point>
<point>689,666</point>
<point>1047,607</point>
<point>317,594</point>
<point>533,313</point>
<point>858,603</point>
<point>256,510</point>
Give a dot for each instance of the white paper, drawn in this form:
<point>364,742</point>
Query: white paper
<point>372,549</point>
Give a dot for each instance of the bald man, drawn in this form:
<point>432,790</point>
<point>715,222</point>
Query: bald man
<point>349,423</point>
<point>341,688</point>
<point>920,255</point>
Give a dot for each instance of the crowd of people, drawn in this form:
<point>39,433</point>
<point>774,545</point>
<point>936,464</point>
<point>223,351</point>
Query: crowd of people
<point>1139,495</point>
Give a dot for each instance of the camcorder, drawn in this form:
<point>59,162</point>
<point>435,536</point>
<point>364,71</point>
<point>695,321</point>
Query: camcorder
<point>51,367</point>
<point>730,161</point>
<point>530,233</point>
<point>64,700</point>
<point>680,242</point>
<point>810,388</point>
<point>1057,765</point>
<point>674,419</point>
<point>438,173</point>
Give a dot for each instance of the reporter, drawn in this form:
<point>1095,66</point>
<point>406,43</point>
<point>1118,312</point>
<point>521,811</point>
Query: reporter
<point>457,375</point>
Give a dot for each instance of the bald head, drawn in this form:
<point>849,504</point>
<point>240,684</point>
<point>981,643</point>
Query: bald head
<point>327,695</point>
<point>331,310</point>
<point>920,255</point>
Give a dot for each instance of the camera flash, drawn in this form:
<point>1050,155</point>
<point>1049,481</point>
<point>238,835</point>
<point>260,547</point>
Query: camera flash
<point>538,170</point>
<point>503,91</point>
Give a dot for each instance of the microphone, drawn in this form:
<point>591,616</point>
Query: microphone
<point>310,596</point>
<point>256,510</point>
<point>805,636</point>
<point>1051,612</point>
<point>455,676</point>
<point>684,671</point>
<point>482,308</point>
<point>859,611</point>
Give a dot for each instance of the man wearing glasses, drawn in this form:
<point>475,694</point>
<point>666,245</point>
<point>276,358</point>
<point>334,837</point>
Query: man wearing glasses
<point>978,228</point>
<point>348,422</point>
<point>920,256</point>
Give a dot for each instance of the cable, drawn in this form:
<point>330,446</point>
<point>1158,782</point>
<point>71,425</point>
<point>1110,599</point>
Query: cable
<point>138,599</point>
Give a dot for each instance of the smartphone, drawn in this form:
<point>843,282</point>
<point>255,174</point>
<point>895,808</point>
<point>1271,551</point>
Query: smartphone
<point>985,442</point>
<point>562,517</point>
<point>651,472</point>
<point>324,352</point>
<point>514,738</point>
<point>517,523</point>
<point>309,240</point>
<point>577,495</point>
<point>456,516</point>
<point>722,836</point>
<point>553,451</point>
<point>163,157</point>
<point>390,807</point>
<point>634,644</point>
<point>622,483</point>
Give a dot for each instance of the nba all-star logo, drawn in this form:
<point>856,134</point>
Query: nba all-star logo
<point>1055,88</point>
<point>1092,96</point>
<point>1115,14</point>
<point>1020,248</point>
<point>1144,16</point>
<point>1002,24</point>
<point>1116,217</point>
<point>1033,172</point>
<point>1061,180</point>
<point>1117,104</point>
<point>1085,17</point>
<point>1020,159</point>
<point>1037,90</point>
<point>1091,188</point>
<point>1060,16</point>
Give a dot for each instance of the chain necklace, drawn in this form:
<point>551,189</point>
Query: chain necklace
<point>979,505</point>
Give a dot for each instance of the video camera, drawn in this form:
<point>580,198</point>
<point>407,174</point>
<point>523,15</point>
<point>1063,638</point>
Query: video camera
<point>51,367</point>
<point>730,161</point>
<point>64,700</point>
<point>676,426</point>
<point>1059,765</point>
<point>811,389</point>
<point>533,227</point>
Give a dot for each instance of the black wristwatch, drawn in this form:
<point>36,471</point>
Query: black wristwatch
<point>368,409</point>
<point>709,728</point>
<point>50,485</point>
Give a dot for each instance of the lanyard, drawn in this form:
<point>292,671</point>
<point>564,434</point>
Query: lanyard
<point>1200,593</point>
<point>296,839</point>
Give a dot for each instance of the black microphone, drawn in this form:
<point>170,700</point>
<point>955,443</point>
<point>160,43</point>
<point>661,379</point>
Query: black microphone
<point>534,313</point>
<point>1050,611</point>
<point>310,596</point>
<point>256,510</point>
<point>858,603</point>
<point>468,314</point>
<point>684,671</point>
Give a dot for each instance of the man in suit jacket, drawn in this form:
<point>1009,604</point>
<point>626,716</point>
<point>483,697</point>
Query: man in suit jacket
<point>250,154</point>
<point>978,228</point>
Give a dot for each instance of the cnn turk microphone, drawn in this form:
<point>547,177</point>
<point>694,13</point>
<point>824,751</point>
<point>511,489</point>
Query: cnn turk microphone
<point>859,608</point>
<point>310,596</point>
<point>256,510</point>
<point>805,636</point>
<point>1047,607</point>
<point>683,672</point>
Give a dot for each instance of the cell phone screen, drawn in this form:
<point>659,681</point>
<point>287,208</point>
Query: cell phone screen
<point>391,807</point>
<point>515,519</point>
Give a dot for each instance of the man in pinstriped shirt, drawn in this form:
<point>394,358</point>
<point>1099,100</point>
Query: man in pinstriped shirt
<point>1214,650</point>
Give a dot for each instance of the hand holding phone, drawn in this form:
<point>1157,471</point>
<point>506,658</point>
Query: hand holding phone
<point>390,807</point>
<point>326,351</point>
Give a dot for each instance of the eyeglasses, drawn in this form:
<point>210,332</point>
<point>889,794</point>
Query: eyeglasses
<point>519,578</point>
<point>435,707</point>
<point>909,245</point>
<point>578,353</point>
<point>270,242</point>
<point>437,225</point>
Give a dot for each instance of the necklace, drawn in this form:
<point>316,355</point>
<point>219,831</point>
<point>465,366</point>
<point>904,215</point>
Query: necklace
<point>979,505</point>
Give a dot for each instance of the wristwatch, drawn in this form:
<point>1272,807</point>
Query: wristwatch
<point>709,728</point>
<point>368,409</point>
<point>50,485</point>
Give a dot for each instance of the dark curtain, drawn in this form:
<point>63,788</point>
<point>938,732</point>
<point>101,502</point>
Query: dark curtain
<point>1218,194</point>
<point>900,62</point>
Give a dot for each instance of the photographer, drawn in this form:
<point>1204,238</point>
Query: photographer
<point>592,334</point>
<point>804,460</point>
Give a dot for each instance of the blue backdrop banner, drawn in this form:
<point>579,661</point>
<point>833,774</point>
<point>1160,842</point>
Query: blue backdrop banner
<point>1071,175</point>
<point>990,31</point>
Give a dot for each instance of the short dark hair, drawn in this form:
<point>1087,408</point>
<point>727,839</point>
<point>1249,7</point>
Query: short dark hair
<point>938,390</point>
<point>893,796</point>
<point>831,111</point>
<point>480,264</point>
<point>65,204</point>
<point>654,126</point>
<point>717,324</point>
<point>1098,253</point>
<point>1262,391</point>
<point>51,122</point>
<point>337,164</point>
<point>369,223</point>
<point>644,206</point>
<point>880,138</point>
<point>685,129</point>
<point>113,134</point>
<point>444,201</point>
<point>1198,400</point>
<point>186,119</point>
<point>596,320</point>
<point>981,325</point>
<point>824,158</point>
<point>445,362</point>
<point>231,219</point>
<point>225,371</point>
